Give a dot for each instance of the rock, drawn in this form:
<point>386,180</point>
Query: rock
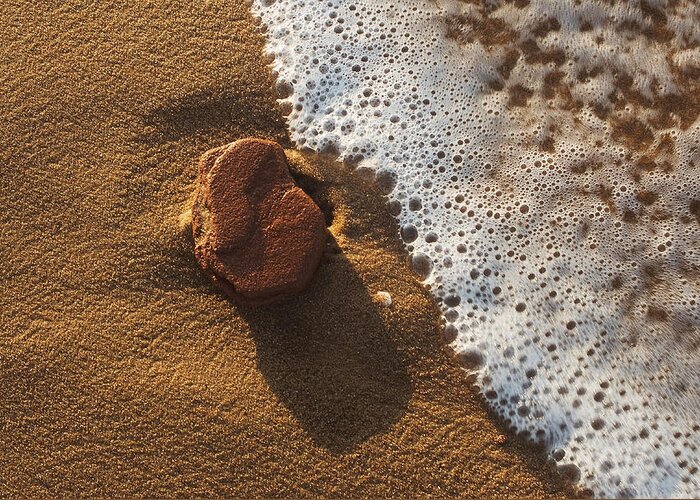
<point>257,234</point>
<point>384,298</point>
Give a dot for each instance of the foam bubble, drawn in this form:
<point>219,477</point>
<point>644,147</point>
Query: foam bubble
<point>541,158</point>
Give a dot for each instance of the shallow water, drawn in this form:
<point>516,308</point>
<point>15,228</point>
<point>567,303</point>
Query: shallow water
<point>541,159</point>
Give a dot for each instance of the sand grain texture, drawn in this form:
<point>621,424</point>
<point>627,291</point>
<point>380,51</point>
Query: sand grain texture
<point>123,372</point>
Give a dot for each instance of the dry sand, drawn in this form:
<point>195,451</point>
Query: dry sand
<point>123,372</point>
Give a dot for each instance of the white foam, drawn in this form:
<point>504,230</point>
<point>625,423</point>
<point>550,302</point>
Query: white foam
<point>550,201</point>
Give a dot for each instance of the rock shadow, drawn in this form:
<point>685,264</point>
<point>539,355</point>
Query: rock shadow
<point>328,356</point>
<point>219,113</point>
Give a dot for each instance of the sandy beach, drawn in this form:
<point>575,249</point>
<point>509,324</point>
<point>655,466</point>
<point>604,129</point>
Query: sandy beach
<point>123,371</point>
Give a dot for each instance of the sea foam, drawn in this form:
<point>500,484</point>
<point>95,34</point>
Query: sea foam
<point>542,161</point>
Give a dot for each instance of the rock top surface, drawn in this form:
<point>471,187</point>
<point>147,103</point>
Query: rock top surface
<point>257,234</point>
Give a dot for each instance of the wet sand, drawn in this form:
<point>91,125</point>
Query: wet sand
<point>123,371</point>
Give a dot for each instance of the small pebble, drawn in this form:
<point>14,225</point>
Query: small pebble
<point>383,298</point>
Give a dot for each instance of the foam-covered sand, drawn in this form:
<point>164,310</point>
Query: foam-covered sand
<point>122,371</point>
<point>542,160</point>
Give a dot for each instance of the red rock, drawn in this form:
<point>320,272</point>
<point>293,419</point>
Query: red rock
<point>257,234</point>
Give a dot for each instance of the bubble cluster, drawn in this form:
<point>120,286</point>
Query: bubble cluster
<point>542,161</point>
